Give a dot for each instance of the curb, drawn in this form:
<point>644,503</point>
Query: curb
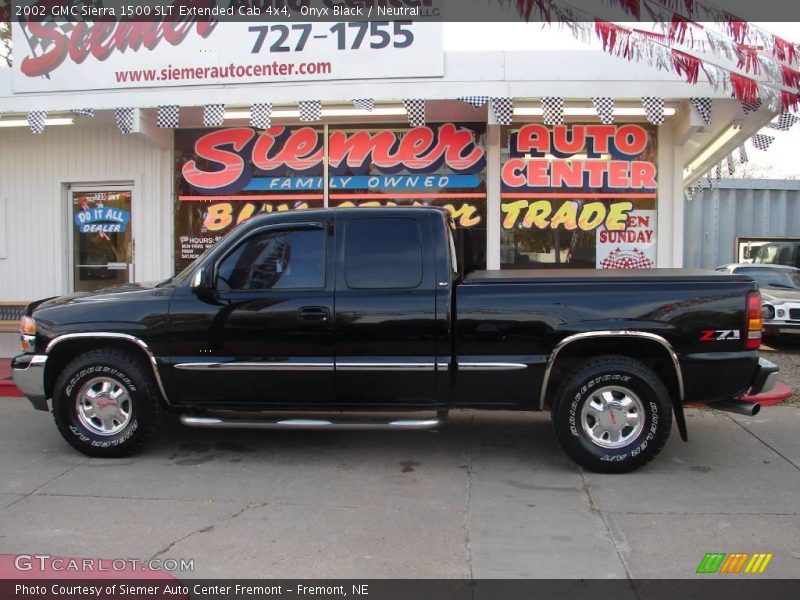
<point>7,388</point>
<point>776,395</point>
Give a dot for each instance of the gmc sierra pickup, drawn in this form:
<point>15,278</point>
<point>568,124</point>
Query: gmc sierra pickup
<point>360,318</point>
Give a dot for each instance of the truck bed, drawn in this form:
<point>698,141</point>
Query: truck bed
<point>518,316</point>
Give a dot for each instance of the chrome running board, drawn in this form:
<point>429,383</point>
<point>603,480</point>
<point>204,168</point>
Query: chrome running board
<point>293,423</point>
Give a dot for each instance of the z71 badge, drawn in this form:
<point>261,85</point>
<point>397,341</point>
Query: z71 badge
<point>719,335</point>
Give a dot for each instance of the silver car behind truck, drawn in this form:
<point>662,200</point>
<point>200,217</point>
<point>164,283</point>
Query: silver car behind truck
<point>780,294</point>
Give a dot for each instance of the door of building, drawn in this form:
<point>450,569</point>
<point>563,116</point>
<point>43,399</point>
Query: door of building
<point>101,240</point>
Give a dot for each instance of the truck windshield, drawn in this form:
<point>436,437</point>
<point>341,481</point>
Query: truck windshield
<point>776,253</point>
<point>773,278</point>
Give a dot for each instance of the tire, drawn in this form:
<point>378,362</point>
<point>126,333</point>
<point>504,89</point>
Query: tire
<point>105,404</point>
<point>596,438</point>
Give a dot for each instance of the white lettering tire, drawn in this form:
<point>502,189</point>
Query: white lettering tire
<point>612,415</point>
<point>105,404</point>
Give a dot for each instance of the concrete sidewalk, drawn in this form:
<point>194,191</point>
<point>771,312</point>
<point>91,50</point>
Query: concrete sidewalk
<point>489,496</point>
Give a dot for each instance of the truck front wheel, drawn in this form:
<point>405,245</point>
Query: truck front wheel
<point>105,404</point>
<point>612,415</point>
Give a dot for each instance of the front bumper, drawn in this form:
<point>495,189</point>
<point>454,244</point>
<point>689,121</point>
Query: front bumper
<point>778,325</point>
<point>28,371</point>
<point>766,377</point>
<point>785,316</point>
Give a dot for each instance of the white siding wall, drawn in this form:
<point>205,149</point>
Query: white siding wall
<point>33,173</point>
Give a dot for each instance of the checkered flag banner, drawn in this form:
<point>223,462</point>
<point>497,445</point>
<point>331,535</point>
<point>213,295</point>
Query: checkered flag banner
<point>694,191</point>
<point>731,165</point>
<point>310,110</point>
<point>36,120</point>
<point>168,116</point>
<point>83,112</point>
<point>503,110</point>
<point>743,158</point>
<point>749,107</point>
<point>415,109</point>
<point>708,180</point>
<point>475,101</point>
<point>261,115</point>
<point>784,122</point>
<point>124,119</point>
<point>761,141</point>
<point>213,115</point>
<point>703,108</point>
<point>604,107</point>
<point>626,259</point>
<point>718,172</point>
<point>654,109</point>
<point>553,110</point>
<point>364,104</point>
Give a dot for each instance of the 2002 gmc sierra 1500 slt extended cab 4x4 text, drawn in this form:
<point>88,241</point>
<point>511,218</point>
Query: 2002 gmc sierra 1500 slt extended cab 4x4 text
<point>360,318</point>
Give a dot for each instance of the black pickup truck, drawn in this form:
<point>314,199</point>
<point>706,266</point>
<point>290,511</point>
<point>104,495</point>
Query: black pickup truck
<point>360,318</point>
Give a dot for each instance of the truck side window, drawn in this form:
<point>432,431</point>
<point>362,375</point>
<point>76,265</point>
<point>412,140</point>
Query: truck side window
<point>275,260</point>
<point>383,253</point>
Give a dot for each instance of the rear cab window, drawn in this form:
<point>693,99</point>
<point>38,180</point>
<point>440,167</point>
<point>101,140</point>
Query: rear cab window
<point>383,253</point>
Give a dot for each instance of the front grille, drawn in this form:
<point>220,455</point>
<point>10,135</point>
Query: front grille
<point>794,313</point>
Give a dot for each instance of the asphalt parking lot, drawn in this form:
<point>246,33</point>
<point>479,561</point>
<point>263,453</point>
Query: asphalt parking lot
<point>489,496</point>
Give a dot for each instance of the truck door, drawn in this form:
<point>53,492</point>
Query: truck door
<point>385,310</point>
<point>264,334</point>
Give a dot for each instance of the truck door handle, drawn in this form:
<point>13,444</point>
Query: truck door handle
<point>314,314</point>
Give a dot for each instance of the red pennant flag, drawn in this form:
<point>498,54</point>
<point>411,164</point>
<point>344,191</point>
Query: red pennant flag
<point>738,29</point>
<point>789,100</point>
<point>784,50</point>
<point>744,88</point>
<point>677,28</point>
<point>748,58</point>
<point>686,65</point>
<point>791,77</point>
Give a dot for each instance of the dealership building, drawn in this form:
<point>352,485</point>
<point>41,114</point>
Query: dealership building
<point>121,162</point>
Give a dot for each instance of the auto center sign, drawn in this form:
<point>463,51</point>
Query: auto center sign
<point>76,55</point>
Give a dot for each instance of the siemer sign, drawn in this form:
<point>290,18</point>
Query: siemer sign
<point>53,55</point>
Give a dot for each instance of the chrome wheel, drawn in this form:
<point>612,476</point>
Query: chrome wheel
<point>612,416</point>
<point>103,406</point>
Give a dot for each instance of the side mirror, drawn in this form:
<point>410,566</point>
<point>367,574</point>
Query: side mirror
<point>202,282</point>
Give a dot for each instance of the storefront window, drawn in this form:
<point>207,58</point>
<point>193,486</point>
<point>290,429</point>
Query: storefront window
<point>579,196</point>
<point>226,176</point>
<point>438,165</point>
<point>102,246</point>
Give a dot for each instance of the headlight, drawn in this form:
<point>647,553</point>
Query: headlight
<point>781,313</point>
<point>27,326</point>
<point>27,338</point>
<point>767,311</point>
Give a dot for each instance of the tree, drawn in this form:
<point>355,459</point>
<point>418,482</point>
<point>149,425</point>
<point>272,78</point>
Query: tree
<point>5,32</point>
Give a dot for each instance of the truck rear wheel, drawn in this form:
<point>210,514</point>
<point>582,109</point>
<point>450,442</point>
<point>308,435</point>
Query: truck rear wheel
<point>612,415</point>
<point>105,404</point>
